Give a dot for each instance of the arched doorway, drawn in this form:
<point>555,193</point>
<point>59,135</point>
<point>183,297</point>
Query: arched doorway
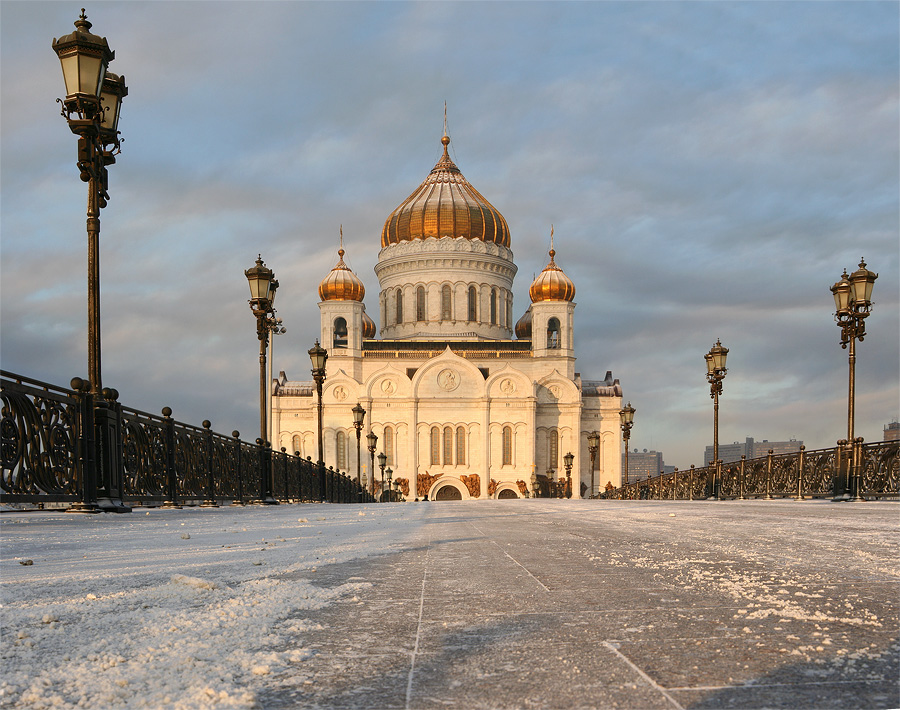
<point>448,493</point>
<point>507,493</point>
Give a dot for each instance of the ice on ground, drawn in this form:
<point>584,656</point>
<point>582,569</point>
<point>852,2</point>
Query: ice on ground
<point>114,613</point>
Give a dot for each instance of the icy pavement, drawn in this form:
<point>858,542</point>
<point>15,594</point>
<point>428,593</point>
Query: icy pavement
<point>504,604</point>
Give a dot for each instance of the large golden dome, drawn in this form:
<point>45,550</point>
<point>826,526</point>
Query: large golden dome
<point>341,284</point>
<point>445,205</point>
<point>552,284</point>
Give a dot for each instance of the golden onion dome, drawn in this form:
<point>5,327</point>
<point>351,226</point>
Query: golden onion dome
<point>552,284</point>
<point>341,284</point>
<point>369,330</point>
<point>445,205</point>
<point>523,326</point>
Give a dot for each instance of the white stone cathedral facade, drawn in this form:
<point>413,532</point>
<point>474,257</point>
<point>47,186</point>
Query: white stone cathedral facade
<point>464,403</point>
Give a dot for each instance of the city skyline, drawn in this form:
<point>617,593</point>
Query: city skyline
<point>709,170</point>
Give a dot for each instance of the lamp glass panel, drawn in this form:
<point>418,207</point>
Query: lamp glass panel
<point>861,289</point>
<point>91,71</point>
<point>629,414</point>
<point>710,368</point>
<point>111,102</point>
<point>719,355</point>
<point>69,64</point>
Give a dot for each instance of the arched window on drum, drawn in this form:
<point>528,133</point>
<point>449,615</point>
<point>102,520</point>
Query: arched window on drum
<point>340,332</point>
<point>553,334</point>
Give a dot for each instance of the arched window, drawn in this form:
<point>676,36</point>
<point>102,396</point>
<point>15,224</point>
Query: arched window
<point>435,446</point>
<point>388,446</point>
<point>399,304</point>
<point>553,451</point>
<point>460,446</point>
<point>448,446</point>
<point>340,333</point>
<point>509,320</point>
<point>493,306</point>
<point>507,446</point>
<point>340,442</point>
<point>446,304</point>
<point>297,444</point>
<point>420,303</point>
<point>473,300</point>
<point>553,334</point>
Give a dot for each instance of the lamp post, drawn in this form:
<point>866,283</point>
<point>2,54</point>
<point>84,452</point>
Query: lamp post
<point>372,441</point>
<point>535,486</point>
<point>390,472</point>
<point>262,298</point>
<point>359,415</point>
<point>567,462</point>
<point>853,303</point>
<point>318,356</point>
<point>715,373</point>
<point>593,448</point>
<point>382,460</point>
<point>626,419</point>
<point>91,108</point>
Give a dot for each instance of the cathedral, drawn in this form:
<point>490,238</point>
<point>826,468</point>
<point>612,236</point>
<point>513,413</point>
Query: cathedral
<point>464,402</point>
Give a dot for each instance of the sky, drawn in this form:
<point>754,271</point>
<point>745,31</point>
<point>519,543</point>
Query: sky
<point>709,169</point>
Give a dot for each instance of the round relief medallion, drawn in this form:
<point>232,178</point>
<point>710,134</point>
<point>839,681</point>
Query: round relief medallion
<point>388,386</point>
<point>507,386</point>
<point>340,394</point>
<point>448,380</point>
<point>555,391</point>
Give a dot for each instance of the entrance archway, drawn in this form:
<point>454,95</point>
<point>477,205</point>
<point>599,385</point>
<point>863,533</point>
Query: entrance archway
<point>507,493</point>
<point>448,493</point>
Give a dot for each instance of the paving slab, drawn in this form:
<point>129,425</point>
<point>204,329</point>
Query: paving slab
<point>756,604</point>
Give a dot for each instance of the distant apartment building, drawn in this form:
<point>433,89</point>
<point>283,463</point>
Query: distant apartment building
<point>643,464</point>
<point>751,449</point>
<point>892,431</point>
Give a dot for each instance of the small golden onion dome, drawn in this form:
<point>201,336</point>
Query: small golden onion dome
<point>341,284</point>
<point>368,327</point>
<point>445,205</point>
<point>523,326</point>
<point>552,284</point>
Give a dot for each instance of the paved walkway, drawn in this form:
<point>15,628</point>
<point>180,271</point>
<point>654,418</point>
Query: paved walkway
<point>592,604</point>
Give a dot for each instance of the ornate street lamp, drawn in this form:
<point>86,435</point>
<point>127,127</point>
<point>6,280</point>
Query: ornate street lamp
<point>853,303</point>
<point>567,462</point>
<point>91,108</point>
<point>372,441</point>
<point>535,486</point>
<point>359,415</point>
<point>262,298</point>
<point>715,373</point>
<point>382,460</point>
<point>318,356</point>
<point>626,420</point>
<point>390,472</point>
<point>593,448</point>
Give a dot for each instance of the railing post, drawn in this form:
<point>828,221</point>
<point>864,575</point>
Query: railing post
<point>322,474</point>
<point>691,487</point>
<point>839,480</point>
<point>239,472</point>
<point>85,450</point>
<point>743,462</point>
<point>171,474</point>
<point>857,468</point>
<point>769,474</point>
<point>800,463</point>
<point>675,483</point>
<point>108,445</point>
<point>210,501</point>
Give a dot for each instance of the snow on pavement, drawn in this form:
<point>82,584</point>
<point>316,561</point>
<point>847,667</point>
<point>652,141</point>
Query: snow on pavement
<point>170,608</point>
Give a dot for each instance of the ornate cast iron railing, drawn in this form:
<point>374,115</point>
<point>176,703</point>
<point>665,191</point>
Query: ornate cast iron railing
<point>65,446</point>
<point>821,473</point>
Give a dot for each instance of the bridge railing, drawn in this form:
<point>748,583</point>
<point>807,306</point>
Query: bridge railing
<point>820,473</point>
<point>62,446</point>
